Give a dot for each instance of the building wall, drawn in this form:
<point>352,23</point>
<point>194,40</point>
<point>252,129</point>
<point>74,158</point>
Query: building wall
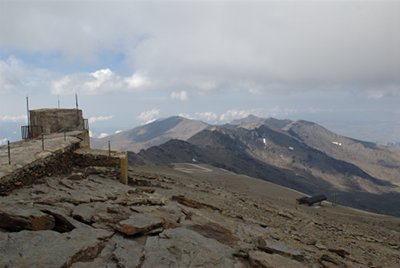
<point>57,120</point>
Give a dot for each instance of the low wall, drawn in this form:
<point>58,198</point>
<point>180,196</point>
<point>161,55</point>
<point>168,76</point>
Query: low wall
<point>61,162</point>
<point>87,157</point>
<point>57,163</point>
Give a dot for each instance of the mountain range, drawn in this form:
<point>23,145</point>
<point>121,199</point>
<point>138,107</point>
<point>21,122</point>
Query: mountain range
<point>300,155</point>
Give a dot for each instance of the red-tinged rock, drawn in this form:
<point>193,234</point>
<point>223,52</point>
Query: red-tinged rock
<point>139,223</point>
<point>23,218</point>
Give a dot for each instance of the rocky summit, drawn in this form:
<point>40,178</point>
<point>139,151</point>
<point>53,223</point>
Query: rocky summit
<point>184,215</point>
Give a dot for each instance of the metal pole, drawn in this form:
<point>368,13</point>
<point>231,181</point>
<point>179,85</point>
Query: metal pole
<point>76,101</point>
<point>27,111</point>
<point>42,142</point>
<point>9,152</point>
<point>109,148</point>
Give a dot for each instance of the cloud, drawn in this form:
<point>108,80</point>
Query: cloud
<point>185,115</point>
<point>147,117</point>
<point>102,135</point>
<point>275,46</point>
<point>389,91</point>
<point>95,119</point>
<point>237,114</point>
<point>98,82</point>
<point>180,95</point>
<point>13,118</point>
<point>207,116</point>
<point>16,76</point>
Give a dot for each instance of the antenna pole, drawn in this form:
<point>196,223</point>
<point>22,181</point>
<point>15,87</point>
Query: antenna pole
<point>76,101</point>
<point>27,110</point>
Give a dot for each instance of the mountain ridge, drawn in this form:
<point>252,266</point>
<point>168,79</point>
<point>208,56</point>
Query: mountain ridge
<point>285,156</point>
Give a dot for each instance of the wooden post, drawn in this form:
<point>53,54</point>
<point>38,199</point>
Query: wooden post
<point>109,149</point>
<point>123,165</point>
<point>9,152</point>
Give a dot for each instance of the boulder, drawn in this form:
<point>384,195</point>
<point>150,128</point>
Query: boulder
<point>261,259</point>
<point>15,218</point>
<point>127,253</point>
<point>139,223</point>
<point>181,199</point>
<point>50,248</point>
<point>181,247</point>
<point>274,246</point>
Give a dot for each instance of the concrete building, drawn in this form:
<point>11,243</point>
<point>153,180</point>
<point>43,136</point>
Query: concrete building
<point>48,121</point>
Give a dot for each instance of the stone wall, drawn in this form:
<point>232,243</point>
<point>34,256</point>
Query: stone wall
<point>57,120</point>
<point>99,158</point>
<point>60,162</point>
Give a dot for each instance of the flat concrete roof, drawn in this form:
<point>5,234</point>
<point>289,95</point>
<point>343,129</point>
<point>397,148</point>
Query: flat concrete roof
<point>54,109</point>
<point>28,151</point>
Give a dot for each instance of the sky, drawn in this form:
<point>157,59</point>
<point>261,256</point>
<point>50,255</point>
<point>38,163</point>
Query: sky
<point>333,62</point>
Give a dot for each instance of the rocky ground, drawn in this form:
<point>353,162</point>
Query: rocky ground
<point>184,216</point>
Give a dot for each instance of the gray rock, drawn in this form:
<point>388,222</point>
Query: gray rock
<point>127,253</point>
<point>262,259</point>
<point>102,213</point>
<point>51,249</point>
<point>139,223</point>
<point>275,246</point>
<point>182,247</point>
<point>16,218</point>
<point>76,176</point>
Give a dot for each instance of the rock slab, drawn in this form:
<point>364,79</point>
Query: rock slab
<point>139,223</point>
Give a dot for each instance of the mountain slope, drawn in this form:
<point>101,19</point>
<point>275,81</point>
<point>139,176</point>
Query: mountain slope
<point>253,121</point>
<point>152,134</point>
<point>377,160</point>
<point>277,156</point>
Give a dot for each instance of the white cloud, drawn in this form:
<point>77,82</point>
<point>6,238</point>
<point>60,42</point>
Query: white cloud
<point>98,82</point>
<point>103,135</point>
<point>94,119</point>
<point>295,44</point>
<point>149,116</point>
<point>237,114</point>
<point>185,115</point>
<point>3,141</point>
<point>15,76</point>
<point>137,81</point>
<point>13,118</point>
<point>389,91</point>
<point>179,95</point>
<point>207,116</point>
<point>375,95</point>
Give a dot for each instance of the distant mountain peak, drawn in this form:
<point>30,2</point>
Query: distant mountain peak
<point>152,134</point>
<point>250,119</point>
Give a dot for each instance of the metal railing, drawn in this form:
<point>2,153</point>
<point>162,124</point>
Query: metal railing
<point>29,132</point>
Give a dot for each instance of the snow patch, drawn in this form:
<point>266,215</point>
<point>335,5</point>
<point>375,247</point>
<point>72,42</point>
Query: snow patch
<point>337,143</point>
